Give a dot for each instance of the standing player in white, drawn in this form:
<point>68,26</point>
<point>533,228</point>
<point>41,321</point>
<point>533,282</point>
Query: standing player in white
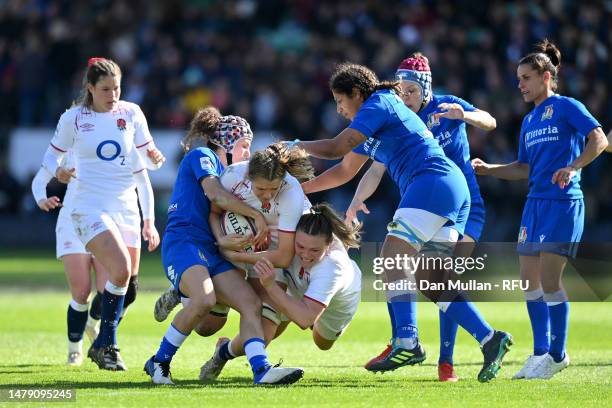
<point>103,132</point>
<point>78,262</point>
<point>320,289</point>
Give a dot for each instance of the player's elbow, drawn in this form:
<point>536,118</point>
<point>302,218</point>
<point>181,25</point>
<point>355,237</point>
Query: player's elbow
<point>305,322</point>
<point>306,319</point>
<point>602,142</point>
<point>492,124</point>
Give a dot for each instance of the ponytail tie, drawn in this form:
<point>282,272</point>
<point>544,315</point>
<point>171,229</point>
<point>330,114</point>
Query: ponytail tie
<point>93,60</point>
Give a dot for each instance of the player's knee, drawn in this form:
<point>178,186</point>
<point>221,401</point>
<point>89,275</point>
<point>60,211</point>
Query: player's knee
<point>322,343</point>
<point>81,297</point>
<point>324,346</point>
<point>210,325</point>
<point>202,304</point>
<point>132,290</point>
<point>551,286</point>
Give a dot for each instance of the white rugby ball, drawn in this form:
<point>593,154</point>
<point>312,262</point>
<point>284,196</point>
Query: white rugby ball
<point>232,223</point>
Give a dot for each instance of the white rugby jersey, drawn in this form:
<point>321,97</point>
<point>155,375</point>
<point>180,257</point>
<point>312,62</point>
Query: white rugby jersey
<point>332,281</point>
<point>282,213</point>
<point>104,145</point>
<point>42,178</point>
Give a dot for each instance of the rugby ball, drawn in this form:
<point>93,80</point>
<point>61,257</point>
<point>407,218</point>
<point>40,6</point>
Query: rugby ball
<point>232,223</point>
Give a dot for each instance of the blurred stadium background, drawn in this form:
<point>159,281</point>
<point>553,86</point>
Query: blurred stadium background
<point>269,61</point>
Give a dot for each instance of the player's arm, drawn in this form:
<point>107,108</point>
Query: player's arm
<point>596,144</point>
<point>39,190</point>
<point>336,176</point>
<point>478,118</point>
<point>225,200</point>
<point>147,206</point>
<point>511,171</point>
<point>280,257</point>
<point>303,312</point>
<point>609,148</point>
<point>367,186</point>
<point>335,148</point>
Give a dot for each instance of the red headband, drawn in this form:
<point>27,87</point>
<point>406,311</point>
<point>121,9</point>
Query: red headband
<point>415,64</point>
<point>93,60</point>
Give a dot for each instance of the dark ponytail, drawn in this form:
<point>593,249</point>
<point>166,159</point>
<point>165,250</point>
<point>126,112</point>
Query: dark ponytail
<point>323,220</point>
<point>546,57</point>
<point>348,76</point>
<point>201,128</point>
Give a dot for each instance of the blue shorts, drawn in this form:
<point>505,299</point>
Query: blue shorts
<point>446,195</point>
<point>551,226</point>
<point>179,253</point>
<point>476,219</point>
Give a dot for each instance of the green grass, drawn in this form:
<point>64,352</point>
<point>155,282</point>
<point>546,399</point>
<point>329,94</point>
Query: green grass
<point>33,350</point>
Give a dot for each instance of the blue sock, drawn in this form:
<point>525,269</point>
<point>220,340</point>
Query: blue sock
<point>112,304</point>
<point>559,319</point>
<point>173,339</point>
<point>392,318</point>
<point>538,316</point>
<point>467,316</point>
<point>404,313</point>
<point>95,311</point>
<point>448,334</point>
<point>225,352</point>
<point>255,351</point>
<point>77,319</point>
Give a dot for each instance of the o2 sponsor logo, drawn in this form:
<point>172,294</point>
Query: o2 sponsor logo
<point>109,150</point>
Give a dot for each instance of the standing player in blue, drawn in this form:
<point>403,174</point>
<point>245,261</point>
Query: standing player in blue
<point>446,117</point>
<point>435,199</point>
<point>192,261</point>
<point>552,153</point>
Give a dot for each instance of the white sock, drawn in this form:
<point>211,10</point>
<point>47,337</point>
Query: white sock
<point>78,307</point>
<point>175,337</point>
<point>408,343</point>
<point>91,322</point>
<point>75,346</point>
<point>255,348</point>
<point>487,337</point>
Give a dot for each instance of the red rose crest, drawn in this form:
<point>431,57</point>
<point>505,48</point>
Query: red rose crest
<point>121,125</point>
<point>265,207</point>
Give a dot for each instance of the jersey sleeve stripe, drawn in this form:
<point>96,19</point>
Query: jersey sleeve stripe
<point>316,301</point>
<point>57,148</point>
<point>138,171</point>
<point>288,232</point>
<point>144,144</point>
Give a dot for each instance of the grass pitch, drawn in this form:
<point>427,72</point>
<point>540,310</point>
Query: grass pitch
<point>33,300</point>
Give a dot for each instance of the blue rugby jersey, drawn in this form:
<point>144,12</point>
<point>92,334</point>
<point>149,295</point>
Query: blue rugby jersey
<point>189,207</point>
<point>552,136</point>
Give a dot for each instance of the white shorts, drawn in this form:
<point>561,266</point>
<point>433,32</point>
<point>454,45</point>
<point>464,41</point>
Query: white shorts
<point>334,321</point>
<point>125,224</point>
<point>416,227</point>
<point>66,240</point>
